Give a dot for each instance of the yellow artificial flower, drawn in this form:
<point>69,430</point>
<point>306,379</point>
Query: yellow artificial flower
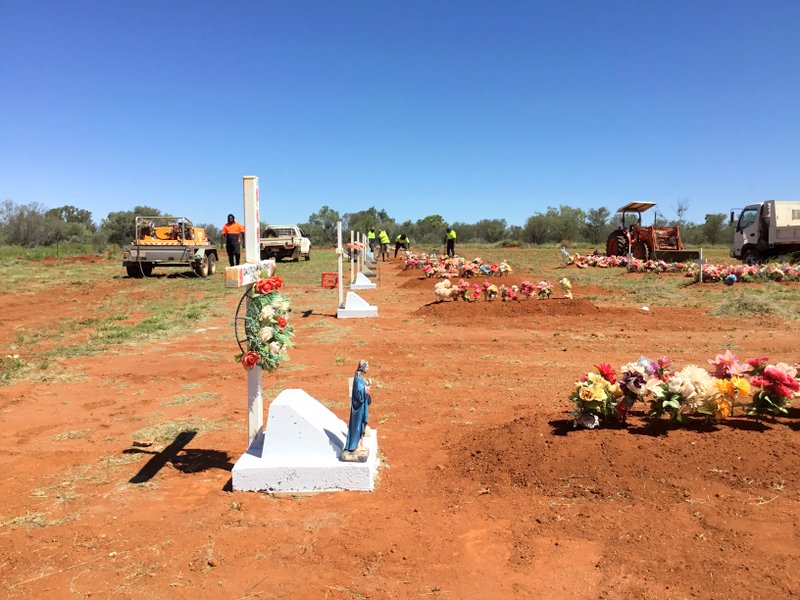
<point>741,385</point>
<point>598,391</point>
<point>615,390</point>
<point>585,393</point>
<point>725,387</point>
<point>723,408</point>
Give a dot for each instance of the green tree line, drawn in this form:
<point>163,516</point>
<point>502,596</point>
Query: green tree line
<point>31,225</point>
<point>562,225</point>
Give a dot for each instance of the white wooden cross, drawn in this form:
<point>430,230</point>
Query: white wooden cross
<point>339,253</point>
<point>245,275</point>
<point>701,261</point>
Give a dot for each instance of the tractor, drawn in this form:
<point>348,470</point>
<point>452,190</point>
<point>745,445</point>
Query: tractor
<point>646,242</point>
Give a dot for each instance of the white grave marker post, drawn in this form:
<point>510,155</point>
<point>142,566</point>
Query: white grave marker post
<point>339,252</point>
<point>252,226</point>
<point>352,257</point>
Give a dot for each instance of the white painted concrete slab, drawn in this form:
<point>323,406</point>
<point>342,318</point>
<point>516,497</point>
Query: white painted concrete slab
<point>299,451</point>
<point>362,283</point>
<point>355,307</point>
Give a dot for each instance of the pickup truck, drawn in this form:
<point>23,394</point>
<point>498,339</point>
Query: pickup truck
<point>766,230</point>
<point>285,241</point>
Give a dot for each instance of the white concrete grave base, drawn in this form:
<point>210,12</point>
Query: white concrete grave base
<point>355,307</point>
<point>299,451</point>
<point>362,283</point>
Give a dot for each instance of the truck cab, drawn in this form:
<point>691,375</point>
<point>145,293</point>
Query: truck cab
<point>746,234</point>
<point>769,229</point>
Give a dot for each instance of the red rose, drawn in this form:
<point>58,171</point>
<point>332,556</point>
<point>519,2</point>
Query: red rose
<point>277,282</point>
<point>249,359</point>
<point>265,286</point>
<point>281,322</point>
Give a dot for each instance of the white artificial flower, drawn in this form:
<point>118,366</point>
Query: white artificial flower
<point>281,305</point>
<point>267,314</point>
<point>275,347</point>
<point>655,387</point>
<point>701,380</point>
<point>680,384</point>
<point>264,334</point>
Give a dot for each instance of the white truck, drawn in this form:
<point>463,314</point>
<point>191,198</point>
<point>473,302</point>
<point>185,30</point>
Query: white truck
<point>766,230</point>
<point>285,241</point>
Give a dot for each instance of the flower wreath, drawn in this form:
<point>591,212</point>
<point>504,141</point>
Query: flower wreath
<point>266,325</point>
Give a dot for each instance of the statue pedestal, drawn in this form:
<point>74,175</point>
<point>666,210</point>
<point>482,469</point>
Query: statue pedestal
<point>355,307</point>
<point>362,283</point>
<point>300,451</point>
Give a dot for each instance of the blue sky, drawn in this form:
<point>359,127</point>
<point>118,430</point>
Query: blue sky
<point>465,109</point>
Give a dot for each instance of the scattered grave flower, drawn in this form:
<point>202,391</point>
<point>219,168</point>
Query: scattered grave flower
<point>727,365</point>
<point>566,287</point>
<point>544,289</point>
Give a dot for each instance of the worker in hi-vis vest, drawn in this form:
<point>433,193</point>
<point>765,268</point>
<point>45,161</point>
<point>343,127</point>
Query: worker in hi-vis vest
<point>451,241</point>
<point>401,241</point>
<point>383,238</point>
<point>371,239</point>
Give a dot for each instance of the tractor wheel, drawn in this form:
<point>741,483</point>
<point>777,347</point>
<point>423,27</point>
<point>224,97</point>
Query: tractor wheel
<point>201,268</point>
<point>640,250</point>
<point>616,245</point>
<point>212,264</point>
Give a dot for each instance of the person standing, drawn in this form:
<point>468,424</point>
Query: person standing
<point>383,238</point>
<point>450,238</point>
<point>401,241</point>
<point>371,239</point>
<point>233,238</point>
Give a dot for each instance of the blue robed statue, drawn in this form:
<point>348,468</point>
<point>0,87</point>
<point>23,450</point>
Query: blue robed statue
<point>359,408</point>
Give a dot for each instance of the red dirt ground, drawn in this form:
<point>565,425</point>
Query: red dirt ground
<point>487,491</point>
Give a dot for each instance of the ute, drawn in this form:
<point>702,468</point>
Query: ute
<point>168,242</point>
<point>646,242</point>
<point>285,241</point>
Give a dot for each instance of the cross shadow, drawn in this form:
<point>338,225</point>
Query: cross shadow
<point>186,461</point>
<point>308,313</point>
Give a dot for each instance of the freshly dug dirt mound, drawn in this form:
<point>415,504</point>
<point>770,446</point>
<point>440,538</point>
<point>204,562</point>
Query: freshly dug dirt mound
<point>482,311</point>
<point>552,457</point>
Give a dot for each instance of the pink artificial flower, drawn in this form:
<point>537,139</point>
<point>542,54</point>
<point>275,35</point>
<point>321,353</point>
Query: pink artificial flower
<point>727,365</point>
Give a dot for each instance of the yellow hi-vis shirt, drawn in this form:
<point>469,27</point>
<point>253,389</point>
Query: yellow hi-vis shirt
<point>383,237</point>
<point>451,235</point>
<point>402,240</point>
<point>370,235</point>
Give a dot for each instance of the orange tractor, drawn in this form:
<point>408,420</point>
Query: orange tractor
<point>646,242</point>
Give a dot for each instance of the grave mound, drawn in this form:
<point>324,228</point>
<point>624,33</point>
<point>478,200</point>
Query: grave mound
<point>486,312</point>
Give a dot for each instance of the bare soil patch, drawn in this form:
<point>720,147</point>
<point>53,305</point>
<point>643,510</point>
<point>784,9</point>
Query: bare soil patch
<point>487,489</point>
